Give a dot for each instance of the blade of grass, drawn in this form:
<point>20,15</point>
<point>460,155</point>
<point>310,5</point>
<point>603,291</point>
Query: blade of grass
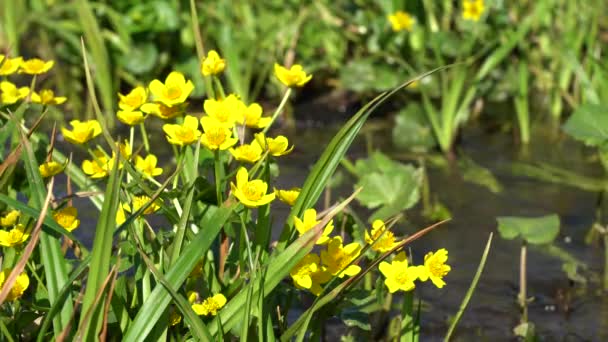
<point>470,291</point>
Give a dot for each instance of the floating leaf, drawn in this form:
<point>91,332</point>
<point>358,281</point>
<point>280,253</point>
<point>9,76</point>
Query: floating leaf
<point>412,130</point>
<point>536,230</point>
<point>589,124</point>
<point>477,174</point>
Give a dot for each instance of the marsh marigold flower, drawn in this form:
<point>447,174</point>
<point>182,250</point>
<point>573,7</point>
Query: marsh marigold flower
<point>184,134</point>
<point>384,239</point>
<point>11,94</point>
<point>253,117</point>
<point>472,9</point>
<point>212,64</point>
<point>277,147</point>
<point>36,66</point>
<point>252,193</point>
<point>228,111</point>
<point>50,168</point>
<point>309,221</point>
<point>401,20</point>
<point>133,100</point>
<point>82,131</point>
<point>292,77</point>
<point>309,274</point>
<point>130,118</point>
<point>217,136</point>
<point>288,196</point>
<point>19,286</point>
<point>337,257</point>
<point>47,97</point>
<point>210,306</point>
<point>67,218</point>
<point>10,219</point>
<point>174,91</point>
<point>164,112</point>
<point>137,202</point>
<point>248,153</point>
<point>98,167</point>
<point>9,66</point>
<point>147,165</point>
<point>435,267</point>
<point>13,237</point>
<point>399,276</point>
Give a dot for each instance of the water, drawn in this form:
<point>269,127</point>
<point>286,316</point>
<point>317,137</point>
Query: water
<point>561,310</point>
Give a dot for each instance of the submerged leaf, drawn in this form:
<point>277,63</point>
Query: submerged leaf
<point>589,124</point>
<point>534,230</point>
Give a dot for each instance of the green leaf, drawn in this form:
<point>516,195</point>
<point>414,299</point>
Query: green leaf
<point>536,230</point>
<point>589,124</point>
<point>355,318</point>
<point>366,74</point>
<point>477,174</point>
<point>411,130</point>
<point>142,58</point>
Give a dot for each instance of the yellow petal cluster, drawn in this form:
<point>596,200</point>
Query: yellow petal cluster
<point>147,165</point>
<point>174,91</point>
<point>47,97</point>
<point>67,218</point>
<point>9,66</point>
<point>133,100</point>
<point>276,147</point>
<point>50,168</point>
<point>292,77</point>
<point>130,118</point>
<point>162,111</point>
<point>82,131</point>
<point>288,196</point>
<point>253,117</point>
<point>10,219</point>
<point>309,274</point>
<point>248,153</point>
<point>36,66</point>
<point>472,9</point>
<point>399,276</point>
<point>212,64</point>
<point>383,240</point>
<point>13,237</point>
<point>98,167</point>
<point>309,221</point>
<point>184,134</point>
<point>19,286</point>
<point>251,193</point>
<point>228,110</point>
<point>11,93</point>
<point>217,136</point>
<point>435,267</point>
<point>137,202</point>
<point>337,257</point>
<point>210,306</point>
<point>401,20</point>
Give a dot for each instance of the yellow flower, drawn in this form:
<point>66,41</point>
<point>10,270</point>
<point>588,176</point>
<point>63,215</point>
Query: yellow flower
<point>210,306</point>
<point>309,221</point>
<point>309,274</point>
<point>147,166</point>
<point>294,76</point>
<point>399,276</point>
<point>50,169</point>
<point>36,66</point>
<point>278,146</point>
<point>124,149</point>
<point>47,97</point>
<point>174,91</point>
<point>217,135</point>
<point>337,257</point>
<point>19,286</point>
<point>249,153</point>
<point>472,9</point>
<point>100,166</point>
<point>82,131</point>
<point>228,111</point>
<point>212,64</point>
<point>13,237</point>
<point>253,117</point>
<point>385,239</point>
<point>435,267</point>
<point>164,112</point>
<point>401,20</point>
<point>130,118</point>
<point>133,100</point>
<point>288,196</point>
<point>137,202</point>
<point>251,193</point>
<point>184,134</point>
<point>174,317</point>
<point>9,65</point>
<point>11,94</point>
<point>10,218</point>
<point>66,218</point>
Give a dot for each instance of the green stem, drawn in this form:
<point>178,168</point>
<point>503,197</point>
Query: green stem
<point>408,330</point>
<point>605,260</point>
<point>523,296</point>
<point>218,172</point>
<point>278,110</point>
<point>144,137</point>
<point>219,87</point>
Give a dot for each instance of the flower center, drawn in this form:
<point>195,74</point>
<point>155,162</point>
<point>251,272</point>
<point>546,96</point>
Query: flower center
<point>252,191</point>
<point>172,92</point>
<point>402,276</point>
<point>437,269</point>
<point>216,136</point>
<point>184,134</point>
